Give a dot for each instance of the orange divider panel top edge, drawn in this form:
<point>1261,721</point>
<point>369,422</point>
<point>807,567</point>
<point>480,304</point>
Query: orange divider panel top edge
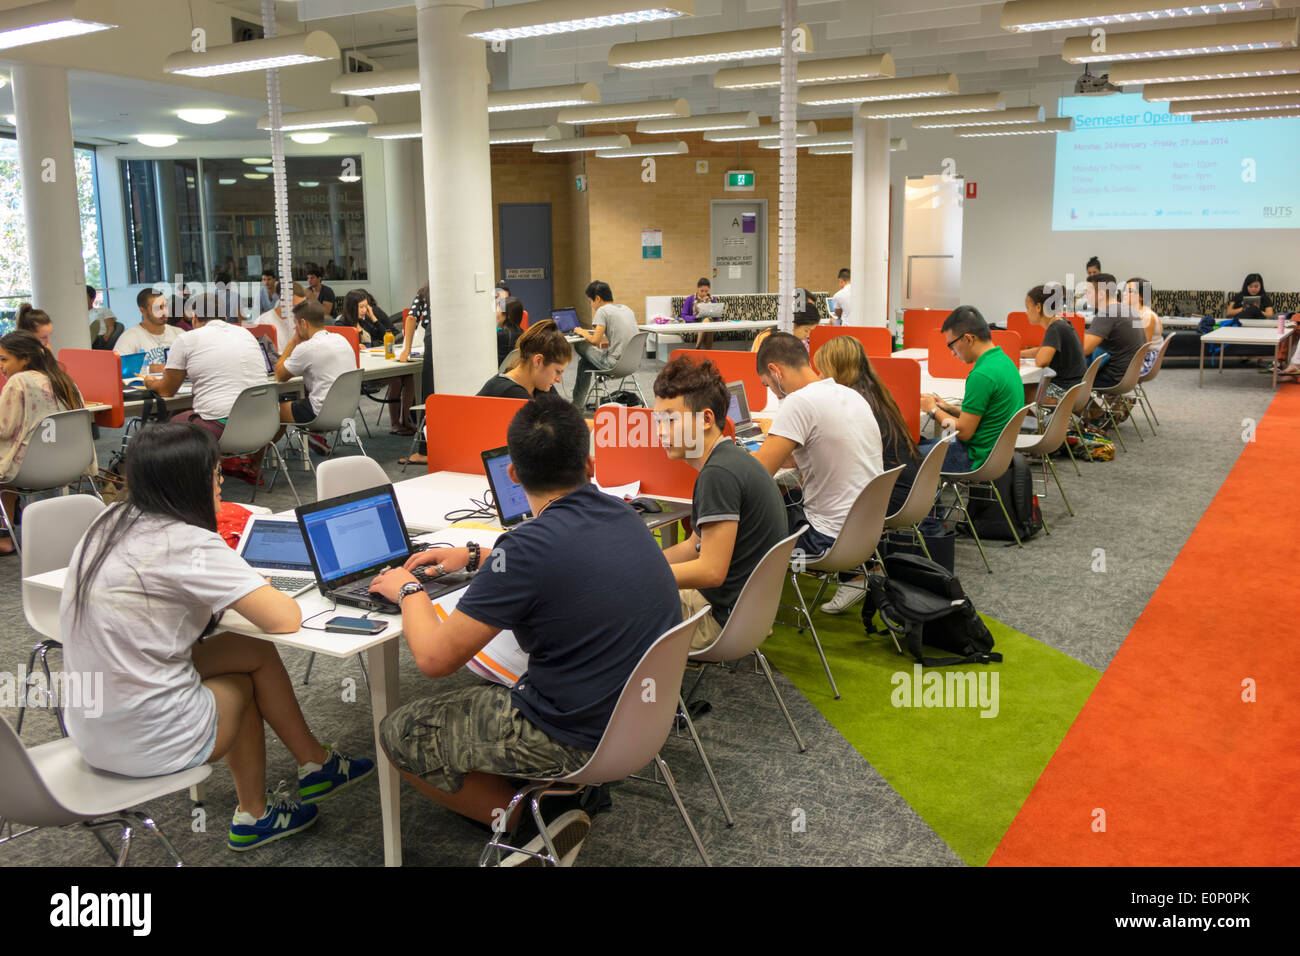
<point>875,341</point>
<point>459,428</point>
<point>269,331</point>
<point>98,374</point>
<point>902,377</point>
<point>1008,342</point>
<point>733,366</point>
<point>628,449</point>
<point>1030,335</point>
<point>917,324</point>
<point>943,364</point>
<point>351,335</point>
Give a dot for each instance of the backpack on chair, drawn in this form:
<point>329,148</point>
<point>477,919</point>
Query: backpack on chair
<point>922,603</point>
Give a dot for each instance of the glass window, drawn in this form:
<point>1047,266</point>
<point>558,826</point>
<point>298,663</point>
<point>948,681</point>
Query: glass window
<point>164,229</point>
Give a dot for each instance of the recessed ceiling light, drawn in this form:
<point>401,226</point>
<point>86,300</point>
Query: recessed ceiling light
<point>11,119</point>
<point>4,81</point>
<point>254,175</point>
<point>202,117</point>
<point>157,140</point>
<point>227,182</point>
<point>309,139</point>
<point>345,178</point>
<point>308,183</point>
<point>265,169</point>
<point>258,160</point>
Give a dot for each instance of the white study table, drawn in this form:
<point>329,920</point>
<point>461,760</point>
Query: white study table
<point>1233,335</point>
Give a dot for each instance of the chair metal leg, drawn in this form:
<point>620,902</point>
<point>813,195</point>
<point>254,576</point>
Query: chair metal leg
<point>1074,461</point>
<point>681,807</point>
<point>306,677</point>
<point>1141,400</point>
<point>997,494</point>
<point>794,581</point>
<point>362,415</point>
<point>1148,401</point>
<point>704,759</point>
<point>771,682</point>
<point>39,651</point>
<point>1060,487</point>
<point>117,855</point>
<point>13,532</point>
<point>282,466</point>
<point>971,524</point>
<point>821,587</point>
<point>1114,424</point>
<point>147,822</point>
<point>361,659</point>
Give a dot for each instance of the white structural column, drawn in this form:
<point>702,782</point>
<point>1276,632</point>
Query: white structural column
<point>869,223</point>
<point>457,196</point>
<point>405,213</point>
<point>49,179</point>
<point>789,172</point>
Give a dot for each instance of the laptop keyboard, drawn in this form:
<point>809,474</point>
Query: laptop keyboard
<point>283,583</point>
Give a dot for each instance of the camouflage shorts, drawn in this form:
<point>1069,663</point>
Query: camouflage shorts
<point>441,739</point>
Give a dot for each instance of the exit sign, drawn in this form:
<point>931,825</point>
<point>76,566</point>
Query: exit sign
<point>740,180</point>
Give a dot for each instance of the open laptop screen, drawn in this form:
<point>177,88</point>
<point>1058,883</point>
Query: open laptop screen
<point>361,531</point>
<point>274,545</point>
<point>512,503</point>
<point>738,409</point>
<point>565,319</point>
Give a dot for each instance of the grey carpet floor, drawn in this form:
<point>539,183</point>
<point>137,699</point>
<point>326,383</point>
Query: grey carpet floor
<point>1138,509</point>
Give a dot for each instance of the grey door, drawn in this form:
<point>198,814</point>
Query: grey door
<point>738,245</point>
<point>525,229</point>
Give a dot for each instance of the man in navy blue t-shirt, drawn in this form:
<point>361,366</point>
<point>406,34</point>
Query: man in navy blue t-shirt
<point>586,591</point>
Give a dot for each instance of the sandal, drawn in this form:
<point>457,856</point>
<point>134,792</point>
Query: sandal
<point>412,461</point>
<point>402,430</point>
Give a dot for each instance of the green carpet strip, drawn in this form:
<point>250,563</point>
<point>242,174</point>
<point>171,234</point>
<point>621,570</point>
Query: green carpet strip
<point>965,774</point>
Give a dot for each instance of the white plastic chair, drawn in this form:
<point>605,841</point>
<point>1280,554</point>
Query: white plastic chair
<point>1150,376</point>
<point>920,498</point>
<point>52,786</point>
<point>628,362</point>
<point>1081,406</point>
<point>340,406</point>
<point>251,427</point>
<point>636,731</point>
<point>1117,396</point>
<point>1053,438</point>
<point>55,463</point>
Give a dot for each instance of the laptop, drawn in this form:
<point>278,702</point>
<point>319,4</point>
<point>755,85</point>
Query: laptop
<point>566,320</point>
<point>275,549</point>
<point>269,353</point>
<point>710,310</point>
<point>748,433</point>
<point>132,364</point>
<point>508,496</point>
<point>353,537</point>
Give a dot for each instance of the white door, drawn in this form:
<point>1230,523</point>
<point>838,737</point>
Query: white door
<point>738,244</point>
<point>932,220</point>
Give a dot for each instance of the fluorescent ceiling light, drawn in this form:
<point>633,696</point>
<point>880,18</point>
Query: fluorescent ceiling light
<point>582,144</point>
<point>308,183</point>
<point>288,50</point>
<point>349,178</point>
<point>1239,36</point>
<point>227,182</point>
<point>157,140</point>
<point>699,124</point>
<point>317,119</point>
<point>699,48</point>
<point>835,70</point>
<point>377,82</point>
<point>1232,117</point>
<point>258,160</point>
<point>902,88</point>
<point>933,106</point>
<point>542,97</point>
<point>522,134</point>
<point>395,131</point>
<point>1021,114</point>
<point>765,131</point>
<point>1241,104</point>
<point>202,117</point>
<point>1220,67</point>
<point>52,20</point>
<point>843,137</point>
<point>1220,89</point>
<point>1064,124</point>
<point>1027,15</point>
<point>546,17</point>
<point>623,112</point>
<point>674,148</point>
<point>309,139</point>
<point>255,176</point>
<point>265,169</point>
<point>896,145</point>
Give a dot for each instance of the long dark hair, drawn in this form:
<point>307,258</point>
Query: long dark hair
<point>512,313</point>
<point>1253,277</point>
<point>27,347</point>
<point>169,472</point>
<point>352,303</point>
<point>845,360</point>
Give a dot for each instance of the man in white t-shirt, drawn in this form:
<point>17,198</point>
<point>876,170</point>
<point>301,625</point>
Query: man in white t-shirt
<point>318,355</point>
<point>219,359</point>
<point>153,334</point>
<point>844,299</point>
<point>829,432</point>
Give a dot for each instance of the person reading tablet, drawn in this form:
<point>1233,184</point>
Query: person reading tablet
<point>1252,302</point>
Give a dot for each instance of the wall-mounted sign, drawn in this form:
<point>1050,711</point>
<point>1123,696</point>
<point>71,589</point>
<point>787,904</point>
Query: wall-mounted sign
<point>701,165</point>
<point>525,274</point>
<point>739,180</point>
<point>652,244</point>
<point>581,182</point>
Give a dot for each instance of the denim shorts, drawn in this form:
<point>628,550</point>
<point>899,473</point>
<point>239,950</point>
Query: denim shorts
<point>205,751</point>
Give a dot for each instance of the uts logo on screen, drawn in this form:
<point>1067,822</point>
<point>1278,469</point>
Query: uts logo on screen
<point>1277,212</point>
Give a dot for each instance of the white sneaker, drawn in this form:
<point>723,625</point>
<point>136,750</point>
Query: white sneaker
<point>567,833</point>
<point>847,594</point>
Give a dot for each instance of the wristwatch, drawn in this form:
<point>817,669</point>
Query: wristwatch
<point>475,556</point>
<point>409,588</point>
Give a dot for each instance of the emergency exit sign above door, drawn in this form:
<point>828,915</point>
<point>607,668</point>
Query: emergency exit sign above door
<point>740,180</point>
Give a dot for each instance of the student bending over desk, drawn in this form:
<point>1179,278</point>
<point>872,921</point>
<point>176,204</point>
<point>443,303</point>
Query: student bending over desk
<point>544,354</point>
<point>317,355</point>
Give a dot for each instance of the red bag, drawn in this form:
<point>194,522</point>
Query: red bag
<point>230,522</point>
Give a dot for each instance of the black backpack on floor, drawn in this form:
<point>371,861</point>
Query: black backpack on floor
<point>922,603</point>
<point>1016,486</point>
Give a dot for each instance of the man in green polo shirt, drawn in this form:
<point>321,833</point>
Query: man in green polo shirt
<point>994,392</point>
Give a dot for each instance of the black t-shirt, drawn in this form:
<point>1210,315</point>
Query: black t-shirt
<point>1068,362</point>
<point>1265,302</point>
<point>503,386</point>
<point>1121,337</point>
<point>507,336</point>
<point>585,589</point>
<point>733,486</point>
<point>326,296</point>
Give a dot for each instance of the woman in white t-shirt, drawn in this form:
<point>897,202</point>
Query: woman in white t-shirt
<point>152,578</point>
<point>1137,299</point>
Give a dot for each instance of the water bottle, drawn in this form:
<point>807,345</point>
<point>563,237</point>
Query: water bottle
<point>1281,325</point>
<point>389,339</point>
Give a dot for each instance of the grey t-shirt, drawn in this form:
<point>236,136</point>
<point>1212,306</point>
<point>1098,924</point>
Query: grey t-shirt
<point>733,486</point>
<point>620,326</point>
<point>1121,337</point>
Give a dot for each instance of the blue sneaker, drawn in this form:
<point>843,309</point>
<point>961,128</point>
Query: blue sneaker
<point>282,818</point>
<point>317,781</point>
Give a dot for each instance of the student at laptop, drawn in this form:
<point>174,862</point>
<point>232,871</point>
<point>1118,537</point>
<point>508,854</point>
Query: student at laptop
<point>827,431</point>
<point>544,354</point>
<point>612,327</point>
<point>153,334</point>
<point>703,296</point>
<point>147,586</point>
<point>318,355</point>
<point>583,641</point>
<point>510,319</point>
<point>736,509</point>
<point>804,322</point>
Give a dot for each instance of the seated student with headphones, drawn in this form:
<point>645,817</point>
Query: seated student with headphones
<point>544,354</point>
<point>146,589</point>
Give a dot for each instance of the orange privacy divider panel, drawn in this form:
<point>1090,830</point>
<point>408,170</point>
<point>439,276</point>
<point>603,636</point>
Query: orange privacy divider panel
<point>874,341</point>
<point>917,324</point>
<point>1076,320</point>
<point>1031,335</point>
<point>943,364</point>
<point>98,374</point>
<point>459,428</point>
<point>269,331</point>
<point>1008,342</point>
<point>351,335</point>
<point>902,377</point>
<point>733,367</point>
<point>523,323</point>
<point>628,449</point>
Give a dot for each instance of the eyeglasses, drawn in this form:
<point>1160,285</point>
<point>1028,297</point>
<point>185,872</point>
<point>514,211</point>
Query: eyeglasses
<point>954,342</point>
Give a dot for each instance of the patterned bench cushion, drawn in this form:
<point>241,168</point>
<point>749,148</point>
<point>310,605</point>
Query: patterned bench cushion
<point>750,307</point>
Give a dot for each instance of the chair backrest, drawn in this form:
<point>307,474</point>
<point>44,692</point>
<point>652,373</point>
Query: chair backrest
<point>733,367</point>
<point>270,331</point>
<point>630,360</point>
<point>1008,342</point>
<point>508,361</point>
<point>340,402</point>
<point>24,797</point>
<point>59,452</point>
<point>902,378</point>
<point>51,530</point>
<point>342,476</point>
<point>98,374</point>
<point>459,428</point>
<point>253,421</point>
<point>999,458</point>
<point>1054,434</point>
<point>1089,378</point>
<point>351,334</point>
<point>1160,360</point>
<point>523,323</point>
<point>920,498</point>
<point>941,362</point>
<point>1031,335</point>
<point>875,341</point>
<point>751,618</point>
<point>861,532</point>
<point>628,449</point>
<point>1131,374</point>
<point>919,323</point>
<point>641,721</point>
